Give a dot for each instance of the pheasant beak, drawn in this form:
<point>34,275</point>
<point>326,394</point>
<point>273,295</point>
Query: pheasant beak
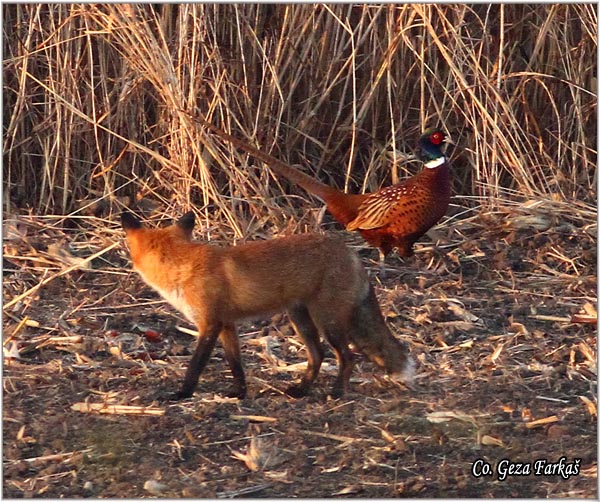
<point>448,141</point>
<point>399,157</point>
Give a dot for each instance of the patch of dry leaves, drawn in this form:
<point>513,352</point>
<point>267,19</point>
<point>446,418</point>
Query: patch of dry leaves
<point>500,315</point>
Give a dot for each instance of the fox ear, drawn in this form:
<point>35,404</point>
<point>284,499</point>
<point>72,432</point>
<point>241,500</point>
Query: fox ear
<point>129,221</point>
<point>187,222</point>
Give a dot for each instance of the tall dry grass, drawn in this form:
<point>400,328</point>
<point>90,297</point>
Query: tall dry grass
<point>99,102</point>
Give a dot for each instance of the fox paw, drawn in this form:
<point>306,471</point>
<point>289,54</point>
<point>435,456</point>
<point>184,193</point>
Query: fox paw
<point>336,392</point>
<point>237,393</point>
<point>296,391</point>
<point>180,394</point>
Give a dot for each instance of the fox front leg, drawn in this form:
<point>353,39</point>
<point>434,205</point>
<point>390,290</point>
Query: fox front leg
<point>208,333</point>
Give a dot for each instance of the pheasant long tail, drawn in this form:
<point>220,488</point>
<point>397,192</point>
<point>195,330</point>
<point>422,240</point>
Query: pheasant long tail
<point>307,182</point>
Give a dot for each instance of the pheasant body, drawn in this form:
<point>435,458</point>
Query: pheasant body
<point>400,214</point>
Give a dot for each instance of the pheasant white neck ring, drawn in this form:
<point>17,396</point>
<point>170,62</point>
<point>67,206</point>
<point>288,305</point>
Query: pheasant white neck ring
<point>432,164</point>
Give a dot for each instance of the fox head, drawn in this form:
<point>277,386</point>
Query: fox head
<point>142,240</point>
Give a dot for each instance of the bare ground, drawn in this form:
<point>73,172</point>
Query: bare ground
<point>500,317</point>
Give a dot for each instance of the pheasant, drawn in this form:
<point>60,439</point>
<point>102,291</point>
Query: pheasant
<point>393,217</point>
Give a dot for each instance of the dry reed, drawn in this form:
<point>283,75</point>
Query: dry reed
<point>99,103</point>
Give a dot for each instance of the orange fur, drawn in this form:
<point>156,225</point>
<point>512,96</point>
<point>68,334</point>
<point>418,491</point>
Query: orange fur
<point>316,278</point>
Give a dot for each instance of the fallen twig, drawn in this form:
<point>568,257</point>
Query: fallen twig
<point>22,323</point>
<point>56,456</point>
<point>542,421</point>
<point>253,418</point>
<point>116,409</point>
<point>243,491</point>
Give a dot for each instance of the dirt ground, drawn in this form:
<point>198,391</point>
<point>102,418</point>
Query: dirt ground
<point>499,315</point>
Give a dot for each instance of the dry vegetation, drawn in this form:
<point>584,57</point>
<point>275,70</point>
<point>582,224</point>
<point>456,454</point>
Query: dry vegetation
<point>99,107</point>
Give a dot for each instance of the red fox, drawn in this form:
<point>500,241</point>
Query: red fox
<point>316,277</point>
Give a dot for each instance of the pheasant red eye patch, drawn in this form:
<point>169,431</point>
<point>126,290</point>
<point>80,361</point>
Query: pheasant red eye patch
<point>437,138</point>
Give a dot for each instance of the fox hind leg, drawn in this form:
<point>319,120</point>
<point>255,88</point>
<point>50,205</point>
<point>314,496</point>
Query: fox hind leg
<point>307,331</point>
<point>231,345</point>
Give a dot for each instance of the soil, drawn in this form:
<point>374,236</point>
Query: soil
<point>499,315</point>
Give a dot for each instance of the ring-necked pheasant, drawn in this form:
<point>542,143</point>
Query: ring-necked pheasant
<point>393,217</point>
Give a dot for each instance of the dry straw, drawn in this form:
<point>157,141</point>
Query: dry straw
<point>99,103</point>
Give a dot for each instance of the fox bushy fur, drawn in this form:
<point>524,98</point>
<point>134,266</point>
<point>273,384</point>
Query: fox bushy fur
<point>316,278</point>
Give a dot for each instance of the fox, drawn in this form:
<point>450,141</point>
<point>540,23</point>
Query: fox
<point>316,278</point>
